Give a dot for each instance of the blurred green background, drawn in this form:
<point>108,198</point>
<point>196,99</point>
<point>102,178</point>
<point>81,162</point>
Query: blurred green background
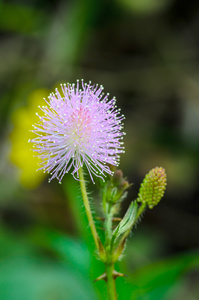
<point>146,53</point>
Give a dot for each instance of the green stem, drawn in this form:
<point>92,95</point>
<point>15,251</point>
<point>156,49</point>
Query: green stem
<point>110,280</point>
<point>104,197</point>
<point>108,226</point>
<point>88,210</point>
<point>111,289</point>
<point>140,211</point>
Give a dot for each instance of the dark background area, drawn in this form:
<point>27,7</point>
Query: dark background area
<point>144,52</point>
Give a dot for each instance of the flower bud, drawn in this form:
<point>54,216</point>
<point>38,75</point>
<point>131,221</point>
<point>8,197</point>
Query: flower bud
<point>118,177</point>
<point>153,187</point>
<point>117,186</point>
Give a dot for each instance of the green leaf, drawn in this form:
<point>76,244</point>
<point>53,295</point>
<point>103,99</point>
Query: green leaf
<point>20,18</point>
<point>50,266</point>
<point>156,281</point>
<point>127,221</point>
<point>25,279</point>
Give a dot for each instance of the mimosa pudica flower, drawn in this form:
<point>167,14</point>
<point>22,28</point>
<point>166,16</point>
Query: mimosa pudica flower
<point>79,126</point>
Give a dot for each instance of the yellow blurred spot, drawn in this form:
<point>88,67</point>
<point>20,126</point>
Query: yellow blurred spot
<point>21,154</point>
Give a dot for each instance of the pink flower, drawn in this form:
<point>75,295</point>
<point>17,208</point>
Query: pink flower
<point>79,126</point>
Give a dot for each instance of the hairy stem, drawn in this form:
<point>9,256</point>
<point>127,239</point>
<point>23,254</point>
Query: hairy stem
<point>108,226</point>
<point>88,210</point>
<point>111,288</point>
<point>140,211</point>
<point>110,279</point>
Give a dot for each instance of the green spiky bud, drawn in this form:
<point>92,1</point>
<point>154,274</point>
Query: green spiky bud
<point>153,187</point>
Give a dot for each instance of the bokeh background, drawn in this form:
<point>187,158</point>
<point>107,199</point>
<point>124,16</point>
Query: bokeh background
<point>146,53</point>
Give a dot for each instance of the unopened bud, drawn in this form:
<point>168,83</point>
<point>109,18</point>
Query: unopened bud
<point>125,185</point>
<point>117,187</point>
<point>117,177</point>
<point>153,187</point>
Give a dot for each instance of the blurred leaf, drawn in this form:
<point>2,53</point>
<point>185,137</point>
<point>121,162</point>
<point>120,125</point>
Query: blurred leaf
<point>145,6</point>
<point>70,28</point>
<point>70,251</point>
<point>20,18</point>
<point>156,280</point>
<point>73,193</point>
<point>27,274</point>
<point>25,279</point>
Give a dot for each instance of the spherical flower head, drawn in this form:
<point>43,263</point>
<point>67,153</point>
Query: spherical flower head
<point>153,187</point>
<point>79,126</point>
